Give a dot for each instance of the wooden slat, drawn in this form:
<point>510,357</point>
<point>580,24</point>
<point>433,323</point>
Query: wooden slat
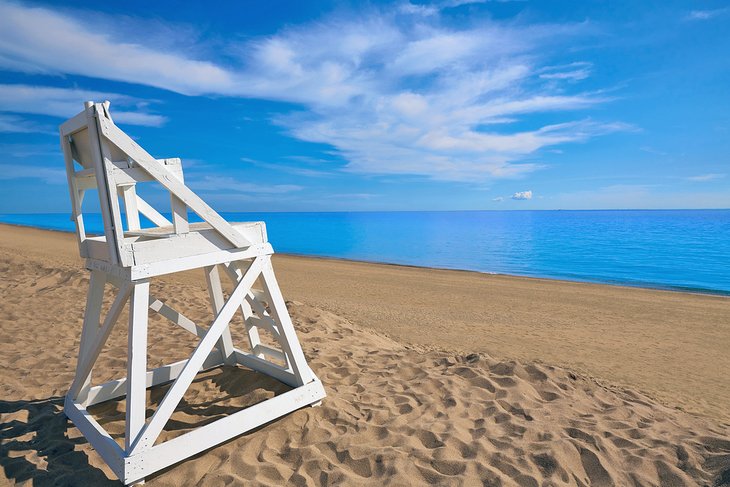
<point>92,317</point>
<point>136,363</point>
<point>215,292</point>
<point>153,429</point>
<point>118,388</point>
<point>104,444</point>
<point>104,173</point>
<point>73,125</point>
<point>205,437</point>
<point>153,215</point>
<point>172,184</point>
<point>100,339</point>
<point>287,335</point>
<point>129,195</point>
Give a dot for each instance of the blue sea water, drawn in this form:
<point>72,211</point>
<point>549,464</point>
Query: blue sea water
<point>672,249</point>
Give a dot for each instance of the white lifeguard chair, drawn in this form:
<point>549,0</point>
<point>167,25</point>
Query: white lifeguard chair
<point>111,162</point>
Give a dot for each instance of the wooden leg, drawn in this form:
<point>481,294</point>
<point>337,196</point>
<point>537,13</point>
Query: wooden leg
<point>92,322</point>
<point>288,337</point>
<point>225,344</point>
<point>137,362</point>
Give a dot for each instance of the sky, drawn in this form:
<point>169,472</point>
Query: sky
<point>356,106</point>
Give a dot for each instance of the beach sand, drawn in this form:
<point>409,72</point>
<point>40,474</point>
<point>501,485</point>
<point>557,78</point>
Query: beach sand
<point>433,377</point>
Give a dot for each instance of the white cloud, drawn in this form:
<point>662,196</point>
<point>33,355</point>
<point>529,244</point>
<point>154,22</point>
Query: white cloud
<point>570,72</point>
<point>706,177</point>
<point>393,91</point>
<point>223,183</point>
<point>522,195</point>
<point>15,124</point>
<point>706,14</point>
<point>498,199</point>
<point>65,103</point>
<point>22,171</point>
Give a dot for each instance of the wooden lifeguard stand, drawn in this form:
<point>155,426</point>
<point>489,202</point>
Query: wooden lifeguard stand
<point>110,162</point>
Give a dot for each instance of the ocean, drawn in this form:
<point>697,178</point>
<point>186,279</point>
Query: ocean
<point>685,250</point>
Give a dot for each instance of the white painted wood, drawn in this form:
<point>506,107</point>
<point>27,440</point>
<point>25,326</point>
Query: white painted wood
<point>114,164</point>
<point>215,292</point>
<point>84,369</point>
<point>259,364</point>
<point>92,322</point>
<point>102,442</point>
<point>160,268</point>
<point>153,215</point>
<point>111,227</point>
<point>137,362</point>
<point>129,194</point>
<point>176,317</point>
<point>288,338</point>
<point>172,451</point>
<point>261,349</point>
<point>234,273</point>
<point>75,192</point>
<point>153,429</point>
<point>73,125</point>
<point>161,375</point>
<point>172,184</point>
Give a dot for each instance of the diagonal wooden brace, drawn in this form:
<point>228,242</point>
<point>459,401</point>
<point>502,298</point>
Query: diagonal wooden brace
<point>149,434</point>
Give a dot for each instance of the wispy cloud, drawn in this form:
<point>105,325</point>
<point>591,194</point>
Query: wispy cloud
<point>569,72</point>
<point>706,14</point>
<point>223,183</point>
<point>14,124</point>
<point>522,195</point>
<point>392,90</point>
<point>48,175</point>
<point>66,102</point>
<point>297,170</point>
<point>702,178</point>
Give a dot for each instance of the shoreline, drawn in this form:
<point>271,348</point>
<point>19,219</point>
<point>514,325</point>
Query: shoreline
<point>620,284</point>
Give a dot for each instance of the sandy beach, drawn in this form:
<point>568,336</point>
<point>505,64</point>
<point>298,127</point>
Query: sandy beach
<point>433,377</point>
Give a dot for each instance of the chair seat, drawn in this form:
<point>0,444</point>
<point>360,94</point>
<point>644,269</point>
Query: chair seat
<point>162,243</point>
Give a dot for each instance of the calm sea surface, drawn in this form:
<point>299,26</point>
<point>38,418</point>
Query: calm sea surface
<point>677,249</point>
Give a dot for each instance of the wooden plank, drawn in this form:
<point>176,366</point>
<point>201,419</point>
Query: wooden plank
<point>258,364</point>
<point>179,215</point>
<point>142,271</point>
<point>74,191</point>
<point>153,215</point>
<point>184,446</point>
<point>123,174</point>
<point>105,180</point>
<point>129,195</point>
<point>288,337</point>
<point>136,363</point>
<point>92,322</point>
<point>73,124</point>
<point>234,274</point>
<point>153,429</point>
<point>101,337</point>
<point>176,317</point>
<point>172,184</point>
<point>262,349</point>
<point>161,375</point>
<point>215,293</point>
<point>104,444</point>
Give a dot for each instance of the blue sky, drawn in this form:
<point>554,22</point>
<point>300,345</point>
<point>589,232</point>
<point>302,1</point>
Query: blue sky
<point>329,106</point>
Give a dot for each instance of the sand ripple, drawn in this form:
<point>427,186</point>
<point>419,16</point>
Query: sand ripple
<point>395,415</point>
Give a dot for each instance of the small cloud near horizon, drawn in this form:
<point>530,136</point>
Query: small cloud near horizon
<point>522,195</point>
<point>701,178</point>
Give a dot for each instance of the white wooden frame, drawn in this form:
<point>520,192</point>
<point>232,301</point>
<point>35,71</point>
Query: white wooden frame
<point>128,259</point>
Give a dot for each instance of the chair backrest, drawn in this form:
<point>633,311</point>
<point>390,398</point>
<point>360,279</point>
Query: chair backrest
<point>111,162</point>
